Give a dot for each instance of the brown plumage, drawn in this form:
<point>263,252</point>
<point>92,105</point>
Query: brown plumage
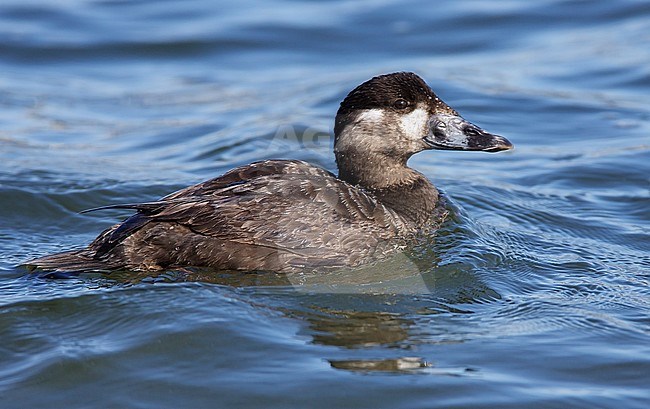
<point>289,216</point>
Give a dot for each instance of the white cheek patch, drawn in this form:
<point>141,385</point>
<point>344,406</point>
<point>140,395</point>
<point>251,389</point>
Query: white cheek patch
<point>414,124</point>
<point>371,116</point>
<point>366,125</point>
<point>369,125</point>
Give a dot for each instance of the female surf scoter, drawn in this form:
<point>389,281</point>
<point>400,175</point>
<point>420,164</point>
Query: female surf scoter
<point>288,215</point>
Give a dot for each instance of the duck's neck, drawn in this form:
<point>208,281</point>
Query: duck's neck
<point>392,182</point>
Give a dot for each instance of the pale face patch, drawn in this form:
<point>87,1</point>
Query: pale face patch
<point>362,132</point>
<point>371,116</point>
<point>414,125</point>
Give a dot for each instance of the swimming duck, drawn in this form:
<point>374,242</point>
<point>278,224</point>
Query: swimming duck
<point>289,215</point>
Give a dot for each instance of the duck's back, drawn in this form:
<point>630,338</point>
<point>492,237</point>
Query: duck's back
<point>270,215</point>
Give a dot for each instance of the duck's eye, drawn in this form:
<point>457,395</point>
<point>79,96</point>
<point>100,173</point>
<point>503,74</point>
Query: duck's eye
<point>400,103</point>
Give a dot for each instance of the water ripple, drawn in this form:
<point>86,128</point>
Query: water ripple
<point>534,293</point>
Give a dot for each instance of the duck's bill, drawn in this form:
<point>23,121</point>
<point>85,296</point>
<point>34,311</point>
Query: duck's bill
<point>451,132</point>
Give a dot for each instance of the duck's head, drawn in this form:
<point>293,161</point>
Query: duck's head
<point>390,117</point>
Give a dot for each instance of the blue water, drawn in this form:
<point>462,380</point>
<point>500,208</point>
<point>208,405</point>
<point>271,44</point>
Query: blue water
<point>535,293</point>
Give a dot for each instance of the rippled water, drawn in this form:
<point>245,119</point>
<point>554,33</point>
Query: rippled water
<point>534,294</point>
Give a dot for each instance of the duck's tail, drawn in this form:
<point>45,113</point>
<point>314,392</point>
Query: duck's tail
<point>74,261</point>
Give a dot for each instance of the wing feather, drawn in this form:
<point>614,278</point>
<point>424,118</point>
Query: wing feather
<point>290,207</point>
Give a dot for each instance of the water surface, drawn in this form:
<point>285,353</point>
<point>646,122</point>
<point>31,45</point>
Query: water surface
<point>534,294</point>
